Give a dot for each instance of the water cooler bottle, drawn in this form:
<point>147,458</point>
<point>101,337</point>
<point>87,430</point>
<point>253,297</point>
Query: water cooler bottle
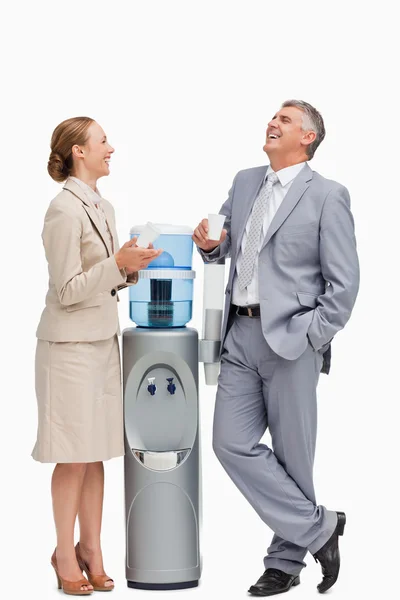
<point>161,413</point>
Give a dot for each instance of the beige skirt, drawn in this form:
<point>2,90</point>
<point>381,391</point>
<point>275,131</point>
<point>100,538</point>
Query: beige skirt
<point>78,390</point>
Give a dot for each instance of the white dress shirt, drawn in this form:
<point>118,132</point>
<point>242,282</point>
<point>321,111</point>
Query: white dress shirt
<point>286,176</point>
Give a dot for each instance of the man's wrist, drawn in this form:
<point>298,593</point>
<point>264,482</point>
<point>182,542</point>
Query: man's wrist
<point>211,249</point>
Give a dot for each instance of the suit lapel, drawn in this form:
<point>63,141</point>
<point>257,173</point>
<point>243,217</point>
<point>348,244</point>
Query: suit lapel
<point>253,190</point>
<point>110,222</point>
<point>297,189</point>
<point>93,213</point>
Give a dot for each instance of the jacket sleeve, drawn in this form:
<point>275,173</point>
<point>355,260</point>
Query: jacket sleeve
<point>339,267</point>
<point>224,249</point>
<point>131,279</point>
<point>62,243</point>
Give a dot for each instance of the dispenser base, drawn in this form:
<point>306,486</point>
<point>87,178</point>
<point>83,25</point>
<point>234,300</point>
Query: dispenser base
<point>179,585</point>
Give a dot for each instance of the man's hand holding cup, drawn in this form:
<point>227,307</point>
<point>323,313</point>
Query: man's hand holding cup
<point>201,237</point>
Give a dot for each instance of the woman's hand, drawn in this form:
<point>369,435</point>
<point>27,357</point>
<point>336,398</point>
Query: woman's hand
<point>201,240</point>
<point>132,258</point>
<point>130,271</point>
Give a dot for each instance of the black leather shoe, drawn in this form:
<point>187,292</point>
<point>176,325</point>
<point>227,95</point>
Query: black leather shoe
<point>329,558</point>
<point>273,581</point>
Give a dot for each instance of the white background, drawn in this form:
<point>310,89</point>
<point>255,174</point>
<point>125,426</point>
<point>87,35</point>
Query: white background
<point>184,91</point>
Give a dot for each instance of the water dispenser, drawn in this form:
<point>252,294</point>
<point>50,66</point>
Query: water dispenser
<point>161,413</point>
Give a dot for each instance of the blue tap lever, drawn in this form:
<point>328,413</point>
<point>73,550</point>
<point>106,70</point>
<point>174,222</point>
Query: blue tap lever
<point>151,388</point>
<point>171,387</point>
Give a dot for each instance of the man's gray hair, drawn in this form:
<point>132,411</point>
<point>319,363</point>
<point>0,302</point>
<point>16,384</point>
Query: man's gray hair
<point>312,120</point>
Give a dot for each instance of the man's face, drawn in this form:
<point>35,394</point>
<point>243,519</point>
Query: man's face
<point>285,134</point>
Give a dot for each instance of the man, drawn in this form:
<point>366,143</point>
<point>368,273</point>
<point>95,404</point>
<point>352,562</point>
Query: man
<point>292,285</point>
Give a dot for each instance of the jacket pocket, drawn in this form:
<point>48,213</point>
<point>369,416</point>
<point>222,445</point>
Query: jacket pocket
<point>303,228</point>
<point>88,303</point>
<point>307,299</point>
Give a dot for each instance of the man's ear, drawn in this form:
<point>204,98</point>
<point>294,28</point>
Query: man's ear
<point>308,138</point>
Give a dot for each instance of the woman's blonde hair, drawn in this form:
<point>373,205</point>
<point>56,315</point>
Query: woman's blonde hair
<point>66,134</point>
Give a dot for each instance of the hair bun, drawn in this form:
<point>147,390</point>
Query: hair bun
<point>57,167</point>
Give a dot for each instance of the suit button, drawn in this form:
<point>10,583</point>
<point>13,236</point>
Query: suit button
<point>113,292</point>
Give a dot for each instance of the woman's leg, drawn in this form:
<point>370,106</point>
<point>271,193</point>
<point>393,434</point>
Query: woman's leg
<point>90,515</point>
<point>66,488</point>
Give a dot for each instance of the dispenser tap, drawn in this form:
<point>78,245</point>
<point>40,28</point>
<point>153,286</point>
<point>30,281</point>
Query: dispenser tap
<point>171,387</point>
<point>151,388</point>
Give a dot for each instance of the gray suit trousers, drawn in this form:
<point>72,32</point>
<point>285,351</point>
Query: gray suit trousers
<point>258,389</point>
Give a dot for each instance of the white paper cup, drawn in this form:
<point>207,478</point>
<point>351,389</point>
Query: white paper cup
<point>149,235</point>
<point>215,225</point>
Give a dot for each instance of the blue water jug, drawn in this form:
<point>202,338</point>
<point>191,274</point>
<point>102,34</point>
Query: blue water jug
<point>164,293</point>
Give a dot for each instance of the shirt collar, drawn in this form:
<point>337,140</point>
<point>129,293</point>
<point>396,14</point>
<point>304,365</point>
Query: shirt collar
<point>287,174</point>
<point>90,193</point>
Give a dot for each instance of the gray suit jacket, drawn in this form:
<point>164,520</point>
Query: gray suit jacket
<point>308,264</point>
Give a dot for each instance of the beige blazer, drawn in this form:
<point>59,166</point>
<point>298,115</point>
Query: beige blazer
<point>81,303</point>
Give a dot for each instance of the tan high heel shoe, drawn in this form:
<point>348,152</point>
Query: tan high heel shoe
<point>73,588</point>
<point>98,581</point>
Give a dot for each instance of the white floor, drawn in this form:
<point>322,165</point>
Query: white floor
<point>352,473</point>
<point>233,538</point>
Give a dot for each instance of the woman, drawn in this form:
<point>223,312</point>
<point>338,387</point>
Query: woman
<point>78,378</point>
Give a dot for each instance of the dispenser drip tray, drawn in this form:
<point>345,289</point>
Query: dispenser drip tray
<point>161,461</point>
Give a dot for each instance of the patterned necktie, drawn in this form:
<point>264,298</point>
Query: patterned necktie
<point>253,239</point>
